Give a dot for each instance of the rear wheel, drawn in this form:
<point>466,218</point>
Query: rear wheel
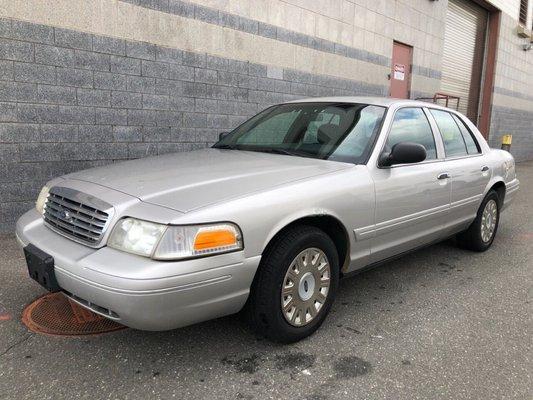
<point>295,285</point>
<point>480,235</point>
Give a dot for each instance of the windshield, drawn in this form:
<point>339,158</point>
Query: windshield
<point>329,131</point>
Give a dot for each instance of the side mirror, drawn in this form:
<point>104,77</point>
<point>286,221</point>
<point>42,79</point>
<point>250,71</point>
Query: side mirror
<point>403,153</point>
<point>222,135</point>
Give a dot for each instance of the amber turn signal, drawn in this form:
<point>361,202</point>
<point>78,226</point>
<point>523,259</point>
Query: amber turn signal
<point>210,239</point>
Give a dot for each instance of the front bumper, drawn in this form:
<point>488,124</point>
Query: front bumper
<point>140,292</point>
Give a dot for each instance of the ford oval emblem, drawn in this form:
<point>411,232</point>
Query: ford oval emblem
<point>65,215</point>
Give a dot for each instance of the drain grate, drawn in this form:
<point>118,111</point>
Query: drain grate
<point>55,314</point>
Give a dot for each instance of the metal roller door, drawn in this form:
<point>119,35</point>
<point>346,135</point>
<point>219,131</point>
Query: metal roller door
<point>463,57</point>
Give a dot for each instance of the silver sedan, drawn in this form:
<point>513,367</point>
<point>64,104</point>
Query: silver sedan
<point>268,219</point>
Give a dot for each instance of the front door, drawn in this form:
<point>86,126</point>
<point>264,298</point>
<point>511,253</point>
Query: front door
<point>402,59</point>
<point>412,203</point>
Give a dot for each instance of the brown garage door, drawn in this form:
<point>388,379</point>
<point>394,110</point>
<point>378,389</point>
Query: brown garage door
<point>463,57</point>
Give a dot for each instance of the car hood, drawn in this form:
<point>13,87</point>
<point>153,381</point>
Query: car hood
<point>191,180</point>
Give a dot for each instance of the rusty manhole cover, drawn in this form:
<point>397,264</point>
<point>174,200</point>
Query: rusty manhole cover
<point>56,314</point>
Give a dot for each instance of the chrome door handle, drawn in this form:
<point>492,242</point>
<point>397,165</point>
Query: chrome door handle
<point>484,168</point>
<point>444,175</point>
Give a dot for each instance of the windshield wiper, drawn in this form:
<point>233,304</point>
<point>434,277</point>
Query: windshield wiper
<point>226,147</point>
<point>284,151</point>
<point>261,150</point>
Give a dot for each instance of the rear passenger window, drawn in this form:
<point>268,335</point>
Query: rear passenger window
<point>454,144</point>
<point>412,125</point>
<point>471,143</point>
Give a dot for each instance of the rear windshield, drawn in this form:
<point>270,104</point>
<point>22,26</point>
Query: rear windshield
<point>329,131</point>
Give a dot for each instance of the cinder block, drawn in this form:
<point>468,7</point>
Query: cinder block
<point>141,117</point>
<point>181,72</point>
<point>248,25</point>
<point>90,60</point>
<point>156,134</point>
<point>126,100</point>
<point>73,39</point>
<point>109,45</point>
<point>74,77</point>
<point>229,20</point>
<point>32,152</point>
<point>194,59</point>
<point>180,103</point>
<point>6,70</point>
<point>155,102</point>
<point>94,97</point>
<point>182,8</point>
<point>110,80</point>
<point>140,84</point>
<point>31,32</point>
<point>56,94</point>
<point>168,54</point>
<point>54,133</point>
<point>194,120</point>
<point>111,116</point>
<point>125,65</point>
<point>206,14</point>
<point>9,152</point>
<point>155,68</point>
<point>19,133</point>
<point>95,133</point>
<point>52,55</point>
<point>141,150</point>
<point>76,115</point>
<point>15,50</point>
<point>205,105</point>
<point>267,30</point>
<point>143,50</point>
<point>37,113</point>
<point>18,91</point>
<point>205,75</point>
<point>25,72</point>
<point>127,133</point>
<point>8,112</point>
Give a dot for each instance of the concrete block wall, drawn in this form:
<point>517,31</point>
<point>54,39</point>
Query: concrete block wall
<point>86,83</point>
<point>512,111</point>
<point>71,100</point>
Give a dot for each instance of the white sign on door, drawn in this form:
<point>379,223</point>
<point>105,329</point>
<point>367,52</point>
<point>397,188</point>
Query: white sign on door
<point>399,72</point>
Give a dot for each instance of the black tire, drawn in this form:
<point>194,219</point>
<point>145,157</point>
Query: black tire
<point>263,309</point>
<point>471,239</point>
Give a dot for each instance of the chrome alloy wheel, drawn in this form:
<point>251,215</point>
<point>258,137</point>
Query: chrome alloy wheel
<point>488,220</point>
<point>305,287</point>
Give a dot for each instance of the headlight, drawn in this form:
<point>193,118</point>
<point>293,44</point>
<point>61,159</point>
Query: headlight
<point>164,242</point>
<point>136,236</point>
<point>41,200</point>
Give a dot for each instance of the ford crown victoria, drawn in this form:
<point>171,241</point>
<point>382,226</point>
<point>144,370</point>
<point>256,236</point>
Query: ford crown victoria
<point>268,219</point>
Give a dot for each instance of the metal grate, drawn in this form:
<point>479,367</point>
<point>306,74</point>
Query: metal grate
<point>75,215</point>
<point>522,15</point>
<point>55,314</point>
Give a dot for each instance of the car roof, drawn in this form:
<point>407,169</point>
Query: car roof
<point>377,101</point>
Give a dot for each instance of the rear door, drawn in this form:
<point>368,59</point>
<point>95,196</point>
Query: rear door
<point>412,203</point>
<point>469,172</point>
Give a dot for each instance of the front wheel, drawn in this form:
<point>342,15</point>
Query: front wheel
<point>295,285</point>
<point>480,235</point>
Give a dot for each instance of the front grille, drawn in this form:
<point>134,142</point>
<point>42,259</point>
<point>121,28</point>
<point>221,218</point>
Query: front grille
<point>76,215</point>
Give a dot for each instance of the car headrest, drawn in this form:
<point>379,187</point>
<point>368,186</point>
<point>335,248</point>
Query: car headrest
<point>327,132</point>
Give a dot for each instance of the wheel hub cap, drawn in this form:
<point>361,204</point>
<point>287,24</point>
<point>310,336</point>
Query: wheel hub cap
<point>305,287</point>
<point>488,220</point>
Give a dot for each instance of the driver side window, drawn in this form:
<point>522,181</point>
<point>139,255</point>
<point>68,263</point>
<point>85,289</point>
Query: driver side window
<point>412,125</point>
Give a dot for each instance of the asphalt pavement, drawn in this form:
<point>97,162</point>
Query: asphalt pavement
<point>441,323</point>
